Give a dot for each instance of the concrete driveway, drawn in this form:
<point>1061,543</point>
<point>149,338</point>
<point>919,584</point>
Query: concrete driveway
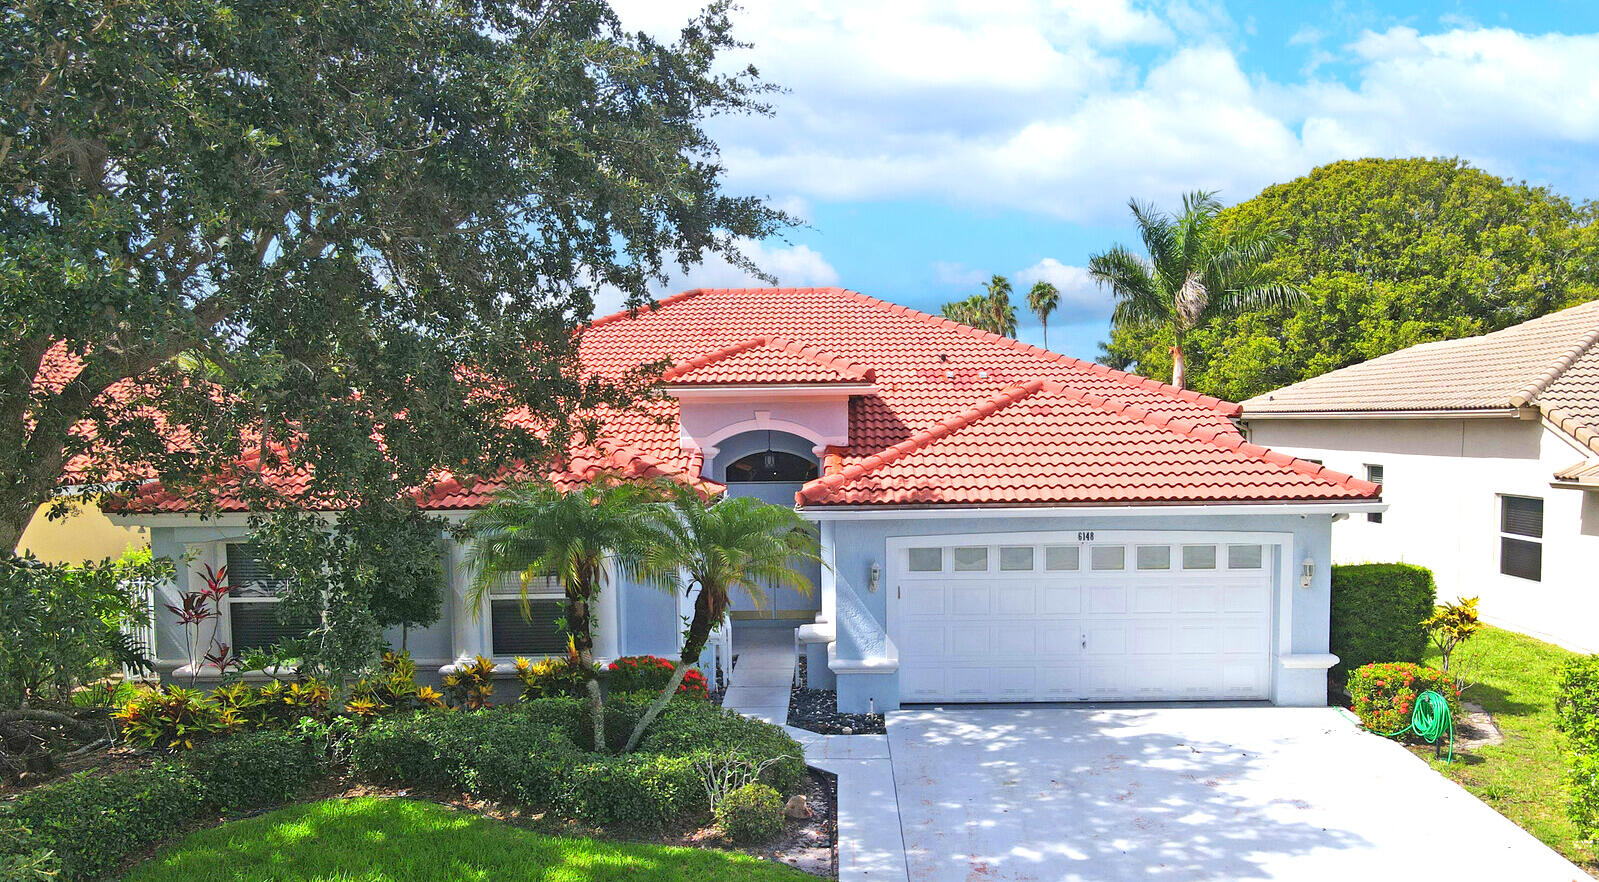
<point>1179,793</point>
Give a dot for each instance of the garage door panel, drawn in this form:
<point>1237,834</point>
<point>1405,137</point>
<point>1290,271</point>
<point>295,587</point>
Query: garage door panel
<point>1073,635</point>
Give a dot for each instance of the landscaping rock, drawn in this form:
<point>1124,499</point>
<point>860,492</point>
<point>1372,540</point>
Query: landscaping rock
<point>797,809</point>
<point>816,710</point>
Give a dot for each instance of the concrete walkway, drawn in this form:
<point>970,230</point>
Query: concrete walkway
<point>870,847</point>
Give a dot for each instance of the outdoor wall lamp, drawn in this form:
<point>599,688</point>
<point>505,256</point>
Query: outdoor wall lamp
<point>872,577</point>
<point>1306,571</point>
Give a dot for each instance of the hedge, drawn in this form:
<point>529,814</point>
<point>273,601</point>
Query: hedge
<point>1377,611</point>
<point>1577,710</point>
<point>1384,694</point>
<point>93,822</point>
<point>534,755</point>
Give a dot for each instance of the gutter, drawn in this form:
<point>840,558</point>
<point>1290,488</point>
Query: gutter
<point>935,512</point>
<point>1515,413</point>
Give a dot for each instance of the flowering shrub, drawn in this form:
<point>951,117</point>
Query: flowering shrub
<point>649,673</point>
<point>1383,694</point>
<point>471,685</point>
<point>549,678</point>
<point>173,717</point>
<point>1578,719</point>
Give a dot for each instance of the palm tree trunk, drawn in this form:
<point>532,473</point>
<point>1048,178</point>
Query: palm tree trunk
<point>580,627</point>
<point>699,631</point>
<point>1045,323</point>
<point>1179,375</point>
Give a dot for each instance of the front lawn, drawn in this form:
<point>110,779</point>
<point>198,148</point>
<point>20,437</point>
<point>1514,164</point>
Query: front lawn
<point>1513,677</point>
<point>378,840</point>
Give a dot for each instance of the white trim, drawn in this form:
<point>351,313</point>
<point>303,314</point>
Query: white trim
<point>1513,413</point>
<point>1308,661</point>
<point>788,391</point>
<point>887,663</point>
<point>762,422</point>
<point>883,512</point>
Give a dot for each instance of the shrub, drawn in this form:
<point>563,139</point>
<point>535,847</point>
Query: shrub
<point>752,813</point>
<point>391,688</point>
<point>649,673</point>
<point>533,754</point>
<point>1384,694</point>
<point>1577,717</point>
<point>93,822</point>
<point>1377,613</point>
<point>550,678</point>
<point>253,770</point>
<point>173,718</point>
<point>472,685</point>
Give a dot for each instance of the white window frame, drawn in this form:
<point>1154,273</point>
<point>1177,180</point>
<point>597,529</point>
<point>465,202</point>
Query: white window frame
<point>234,599</point>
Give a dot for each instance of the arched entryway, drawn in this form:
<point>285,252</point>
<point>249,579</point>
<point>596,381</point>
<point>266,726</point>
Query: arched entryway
<point>770,466</point>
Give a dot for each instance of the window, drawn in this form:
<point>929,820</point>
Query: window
<point>927,560</point>
<point>1520,537</point>
<point>1108,557</point>
<point>1060,557</point>
<point>1374,475</point>
<point>971,559</point>
<point>1154,557</point>
<point>1243,557</point>
<point>1015,557</point>
<point>771,466</point>
<point>526,626</point>
<point>253,603</point>
<point>1199,557</point>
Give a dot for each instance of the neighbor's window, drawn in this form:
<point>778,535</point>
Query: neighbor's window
<point>526,626</point>
<point>1199,557</point>
<point>1060,557</point>
<point>1016,557</point>
<point>1374,475</point>
<point>971,559</point>
<point>1521,537</point>
<point>253,603</point>
<point>1154,557</point>
<point>927,560</point>
<point>1243,557</point>
<point>1108,557</point>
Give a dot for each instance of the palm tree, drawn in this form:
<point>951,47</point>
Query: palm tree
<point>972,311</point>
<point>740,544</point>
<point>1002,315</point>
<point>1194,272</point>
<point>1043,300</point>
<point>534,529</point>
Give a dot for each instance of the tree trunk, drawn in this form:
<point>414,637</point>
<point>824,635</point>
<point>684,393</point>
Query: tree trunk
<point>581,628</point>
<point>13,522</point>
<point>699,631</point>
<point>1179,376</point>
<point>1045,323</point>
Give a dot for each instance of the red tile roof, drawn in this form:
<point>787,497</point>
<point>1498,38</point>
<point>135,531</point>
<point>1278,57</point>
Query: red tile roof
<point>956,416</point>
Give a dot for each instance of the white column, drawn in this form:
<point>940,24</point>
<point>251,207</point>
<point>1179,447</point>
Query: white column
<point>469,635</point>
<point>829,586</point>
<point>608,628</point>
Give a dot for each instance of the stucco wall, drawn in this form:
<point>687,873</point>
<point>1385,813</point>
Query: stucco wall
<point>862,614</point>
<point>85,534</point>
<point>1442,480</point>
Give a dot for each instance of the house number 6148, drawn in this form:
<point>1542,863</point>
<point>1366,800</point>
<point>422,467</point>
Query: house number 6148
<point>1085,536</point>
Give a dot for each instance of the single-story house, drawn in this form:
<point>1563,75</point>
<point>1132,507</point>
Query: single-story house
<point>998,522</point>
<point>1488,452</point>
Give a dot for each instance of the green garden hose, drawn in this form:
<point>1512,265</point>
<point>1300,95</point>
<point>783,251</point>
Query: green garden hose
<point>1431,720</point>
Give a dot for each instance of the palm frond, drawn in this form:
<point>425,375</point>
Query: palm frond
<point>1132,280</point>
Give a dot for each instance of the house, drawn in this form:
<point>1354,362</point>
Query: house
<point>1488,452</point>
<point>998,522</point>
<point>85,533</point>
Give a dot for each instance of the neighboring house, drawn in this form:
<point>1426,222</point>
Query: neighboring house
<point>1001,523</point>
<point>1488,452</point>
<point>84,534</point>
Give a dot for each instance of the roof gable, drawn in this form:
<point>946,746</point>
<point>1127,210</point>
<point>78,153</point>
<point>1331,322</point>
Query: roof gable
<point>767,359</point>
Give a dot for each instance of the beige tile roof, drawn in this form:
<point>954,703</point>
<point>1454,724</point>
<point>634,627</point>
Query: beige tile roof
<point>1585,473</point>
<point>1551,362</point>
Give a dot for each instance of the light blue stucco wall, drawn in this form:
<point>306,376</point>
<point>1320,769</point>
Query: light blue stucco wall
<point>862,614</point>
<point>788,603</point>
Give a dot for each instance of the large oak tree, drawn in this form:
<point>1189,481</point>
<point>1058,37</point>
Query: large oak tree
<point>343,239</point>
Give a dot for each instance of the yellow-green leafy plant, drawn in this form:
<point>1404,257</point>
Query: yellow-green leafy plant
<point>471,685</point>
<point>174,718</point>
<point>1450,625</point>
<point>550,678</point>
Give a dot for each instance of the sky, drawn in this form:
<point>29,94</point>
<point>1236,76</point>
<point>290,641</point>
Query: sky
<point>926,146</point>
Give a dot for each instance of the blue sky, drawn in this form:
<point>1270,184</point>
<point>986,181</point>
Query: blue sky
<point>928,145</point>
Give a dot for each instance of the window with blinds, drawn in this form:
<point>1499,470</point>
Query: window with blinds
<point>526,626</point>
<point>1520,537</point>
<point>1374,475</point>
<point>253,603</point>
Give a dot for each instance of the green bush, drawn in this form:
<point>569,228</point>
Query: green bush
<point>93,822</point>
<point>550,678</point>
<point>1377,611</point>
<point>649,674</point>
<point>254,770</point>
<point>534,754</point>
<point>1577,717</point>
<point>1383,695</point>
<point>752,813</point>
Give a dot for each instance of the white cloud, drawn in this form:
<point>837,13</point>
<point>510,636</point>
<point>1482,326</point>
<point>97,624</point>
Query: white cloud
<point>796,266</point>
<point>1040,106</point>
<point>1080,298</point>
<point>958,275</point>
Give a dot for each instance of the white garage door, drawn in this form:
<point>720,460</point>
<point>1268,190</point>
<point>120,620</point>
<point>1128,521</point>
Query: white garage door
<point>1058,620</point>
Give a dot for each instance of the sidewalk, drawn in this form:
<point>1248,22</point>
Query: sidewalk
<point>870,845</point>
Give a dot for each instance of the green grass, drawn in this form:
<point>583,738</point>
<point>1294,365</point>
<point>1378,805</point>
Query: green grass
<point>377,840</point>
<point>1513,677</point>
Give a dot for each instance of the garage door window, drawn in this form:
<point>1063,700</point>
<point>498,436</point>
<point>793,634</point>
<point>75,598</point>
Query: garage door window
<point>1243,557</point>
<point>927,560</point>
<point>1108,557</point>
<point>1013,558</point>
<point>1199,557</point>
<point>1154,557</point>
<point>972,559</point>
<point>1060,557</point>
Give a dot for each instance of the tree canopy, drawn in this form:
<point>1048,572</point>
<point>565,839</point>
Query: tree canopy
<point>350,239</point>
<point>1389,253</point>
<point>990,311</point>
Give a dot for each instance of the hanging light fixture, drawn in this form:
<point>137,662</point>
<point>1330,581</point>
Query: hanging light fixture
<point>771,457</point>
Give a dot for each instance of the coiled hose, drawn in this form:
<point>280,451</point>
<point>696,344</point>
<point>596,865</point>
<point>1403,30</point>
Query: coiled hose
<point>1431,720</point>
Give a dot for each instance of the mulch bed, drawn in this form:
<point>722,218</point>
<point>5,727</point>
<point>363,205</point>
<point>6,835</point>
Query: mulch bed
<point>816,710</point>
